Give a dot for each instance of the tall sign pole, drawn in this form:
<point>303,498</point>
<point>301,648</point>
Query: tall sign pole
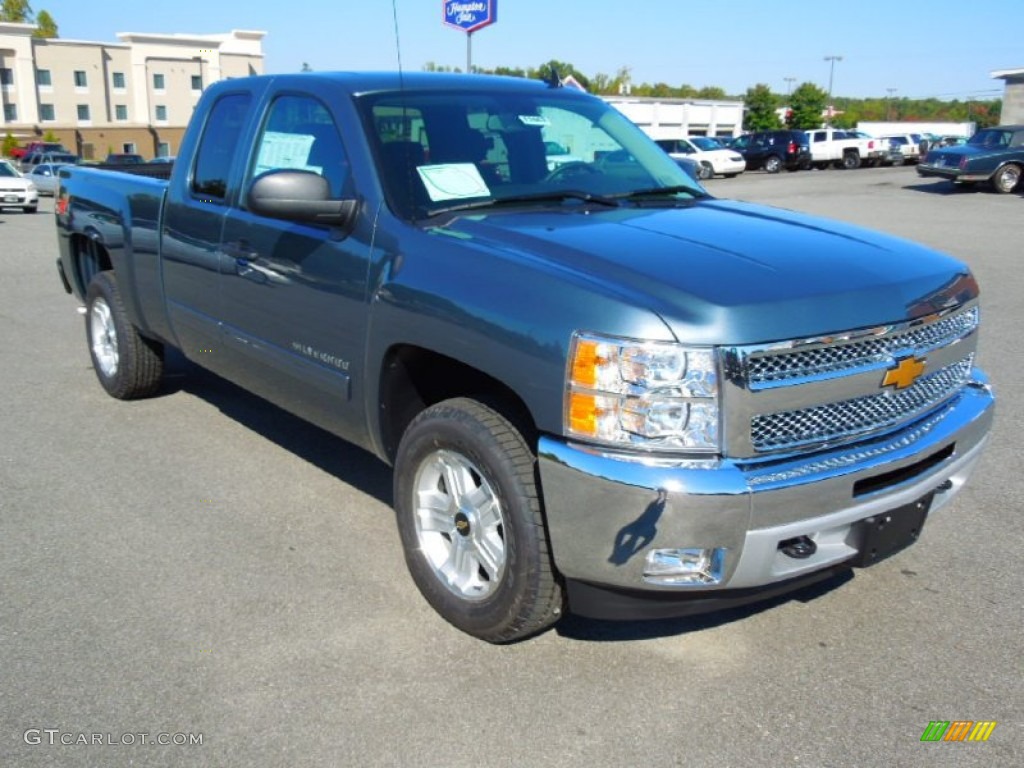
<point>469,16</point>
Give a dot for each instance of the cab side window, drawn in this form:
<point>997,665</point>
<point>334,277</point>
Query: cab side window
<point>221,135</point>
<point>299,133</point>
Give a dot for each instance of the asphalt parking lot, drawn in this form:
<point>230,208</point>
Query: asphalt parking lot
<point>203,567</point>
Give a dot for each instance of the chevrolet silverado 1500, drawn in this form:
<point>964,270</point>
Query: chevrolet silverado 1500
<point>600,388</point>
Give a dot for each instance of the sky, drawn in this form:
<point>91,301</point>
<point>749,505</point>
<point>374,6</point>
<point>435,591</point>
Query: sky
<point>945,49</point>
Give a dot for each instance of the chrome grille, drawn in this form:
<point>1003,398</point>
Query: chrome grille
<point>770,366</point>
<point>861,415</point>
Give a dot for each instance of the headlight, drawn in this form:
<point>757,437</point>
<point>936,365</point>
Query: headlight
<point>649,395</point>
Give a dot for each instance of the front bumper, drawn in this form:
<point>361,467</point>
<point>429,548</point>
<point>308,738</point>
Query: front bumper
<point>606,512</point>
<point>18,198</point>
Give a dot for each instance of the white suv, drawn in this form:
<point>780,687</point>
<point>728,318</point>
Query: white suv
<point>909,145</point>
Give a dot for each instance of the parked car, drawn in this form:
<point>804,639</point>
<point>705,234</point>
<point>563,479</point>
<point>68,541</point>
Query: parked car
<point>711,157</point>
<point>775,150</point>
<point>124,158</point>
<point>166,159</point>
<point>993,155</point>
<point>45,176</point>
<point>15,190</point>
<point>33,147</point>
<point>31,161</point>
<point>909,146</point>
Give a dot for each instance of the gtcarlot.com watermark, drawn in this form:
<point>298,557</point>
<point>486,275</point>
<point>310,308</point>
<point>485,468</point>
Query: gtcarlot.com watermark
<point>56,737</point>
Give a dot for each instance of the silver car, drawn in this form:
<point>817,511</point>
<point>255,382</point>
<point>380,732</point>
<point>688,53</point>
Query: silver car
<point>46,177</point>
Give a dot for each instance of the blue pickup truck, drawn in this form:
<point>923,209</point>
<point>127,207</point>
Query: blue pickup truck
<point>601,389</point>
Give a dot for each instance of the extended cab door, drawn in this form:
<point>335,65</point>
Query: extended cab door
<point>293,294</point>
<point>194,212</point>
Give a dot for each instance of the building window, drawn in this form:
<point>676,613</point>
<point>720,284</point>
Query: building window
<point>46,113</point>
<point>118,79</point>
<point>81,81</point>
<point>158,82</point>
<point>197,82</point>
<point>6,76</point>
<point>83,113</point>
<point>121,112</point>
<point>163,149</point>
<point>10,113</point>
<point>43,78</point>
<point>129,148</point>
<point>161,113</point>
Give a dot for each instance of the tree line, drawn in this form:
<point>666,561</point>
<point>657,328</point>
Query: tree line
<point>804,106</point>
<point>20,12</point>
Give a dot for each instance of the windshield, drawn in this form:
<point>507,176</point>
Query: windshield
<point>6,169</point>
<point>703,142</point>
<point>445,150</point>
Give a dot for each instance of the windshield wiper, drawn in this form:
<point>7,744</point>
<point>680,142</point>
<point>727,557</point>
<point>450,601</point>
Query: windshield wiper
<point>659,191</point>
<point>535,197</point>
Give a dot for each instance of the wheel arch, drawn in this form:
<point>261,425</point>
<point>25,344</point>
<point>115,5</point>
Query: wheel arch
<point>413,378</point>
<point>89,256</point>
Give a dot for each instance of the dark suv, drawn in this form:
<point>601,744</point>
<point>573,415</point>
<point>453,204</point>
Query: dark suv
<point>774,150</point>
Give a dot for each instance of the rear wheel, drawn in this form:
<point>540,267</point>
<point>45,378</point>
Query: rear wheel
<point>470,519</point>
<point>773,164</point>
<point>128,365</point>
<point>1006,178</point>
<point>851,160</point>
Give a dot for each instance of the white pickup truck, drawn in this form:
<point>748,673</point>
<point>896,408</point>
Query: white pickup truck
<point>842,149</point>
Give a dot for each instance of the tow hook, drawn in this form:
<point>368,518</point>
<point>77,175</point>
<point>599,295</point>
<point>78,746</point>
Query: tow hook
<point>799,548</point>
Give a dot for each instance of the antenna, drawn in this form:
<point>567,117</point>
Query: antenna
<point>398,45</point>
<point>553,79</point>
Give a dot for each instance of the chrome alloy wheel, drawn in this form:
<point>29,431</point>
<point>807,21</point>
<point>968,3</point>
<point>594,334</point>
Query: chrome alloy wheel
<point>103,334</point>
<point>459,525</point>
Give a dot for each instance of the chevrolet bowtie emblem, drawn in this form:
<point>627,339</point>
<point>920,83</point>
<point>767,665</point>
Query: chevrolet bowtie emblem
<point>904,374</point>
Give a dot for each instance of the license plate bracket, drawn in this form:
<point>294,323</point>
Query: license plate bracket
<point>10,198</point>
<point>879,536</point>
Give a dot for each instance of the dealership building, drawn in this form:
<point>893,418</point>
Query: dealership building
<point>134,96</point>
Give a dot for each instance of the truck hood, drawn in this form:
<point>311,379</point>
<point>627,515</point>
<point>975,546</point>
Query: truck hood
<point>729,272</point>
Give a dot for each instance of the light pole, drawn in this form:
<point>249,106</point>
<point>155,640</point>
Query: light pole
<point>789,86</point>
<point>888,106</point>
<point>831,71</point>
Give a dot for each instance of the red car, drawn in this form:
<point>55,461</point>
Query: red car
<point>37,146</point>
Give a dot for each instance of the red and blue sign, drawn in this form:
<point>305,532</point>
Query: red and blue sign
<point>469,15</point>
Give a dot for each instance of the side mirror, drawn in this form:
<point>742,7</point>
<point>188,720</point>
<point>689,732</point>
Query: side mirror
<point>299,196</point>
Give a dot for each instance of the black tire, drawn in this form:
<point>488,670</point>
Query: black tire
<point>772,164</point>
<point>1006,179</point>
<point>500,584</point>
<point>821,166</point>
<point>898,160</point>
<point>30,208</point>
<point>705,171</point>
<point>128,365</point>
<point>851,160</point>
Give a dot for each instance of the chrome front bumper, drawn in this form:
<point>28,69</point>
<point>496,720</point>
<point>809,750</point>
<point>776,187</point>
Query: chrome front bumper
<point>606,512</point>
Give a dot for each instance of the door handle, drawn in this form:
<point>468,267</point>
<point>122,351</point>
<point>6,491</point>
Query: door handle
<point>241,251</point>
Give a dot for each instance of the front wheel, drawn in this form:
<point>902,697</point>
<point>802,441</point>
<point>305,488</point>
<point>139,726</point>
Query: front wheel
<point>470,520</point>
<point>1006,178</point>
<point>705,172</point>
<point>128,365</point>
